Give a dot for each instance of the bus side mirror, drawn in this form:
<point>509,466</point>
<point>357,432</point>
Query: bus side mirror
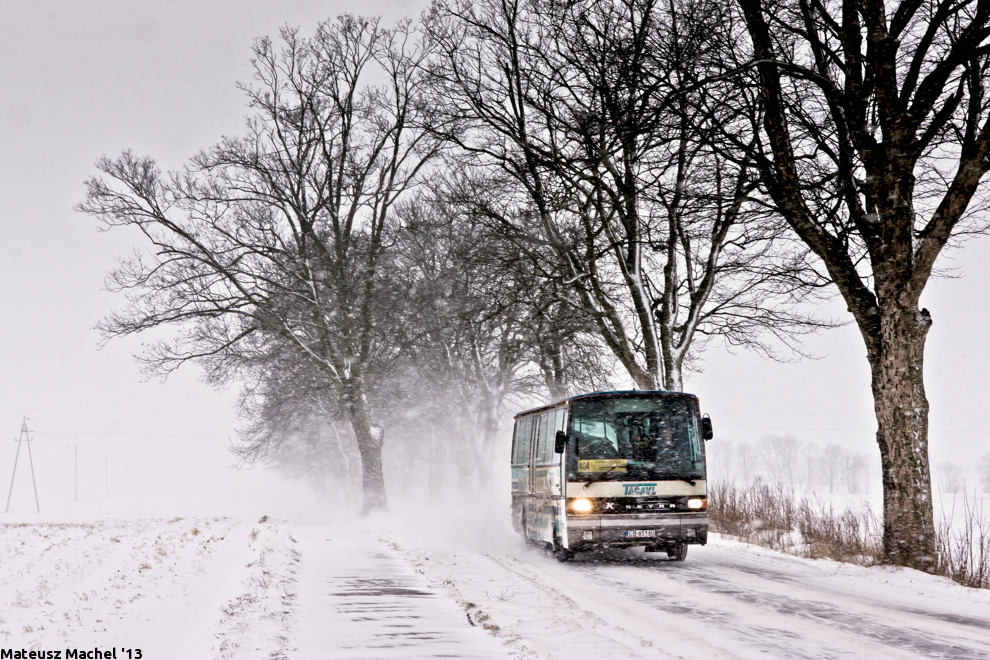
<point>706,428</point>
<point>559,442</point>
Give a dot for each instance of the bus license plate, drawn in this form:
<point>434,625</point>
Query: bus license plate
<point>641,533</point>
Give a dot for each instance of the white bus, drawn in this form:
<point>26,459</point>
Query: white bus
<point>612,470</point>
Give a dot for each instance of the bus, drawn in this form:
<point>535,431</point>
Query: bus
<point>612,470</point>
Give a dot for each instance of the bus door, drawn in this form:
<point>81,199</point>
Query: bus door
<point>533,506</point>
<point>559,483</point>
<point>545,482</point>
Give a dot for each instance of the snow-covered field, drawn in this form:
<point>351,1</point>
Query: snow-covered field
<point>176,588</point>
<point>402,587</point>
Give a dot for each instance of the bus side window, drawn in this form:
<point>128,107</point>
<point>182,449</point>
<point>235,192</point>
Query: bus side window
<point>534,426</point>
<point>523,431</point>
<point>539,436</point>
<point>515,441</point>
<point>546,437</point>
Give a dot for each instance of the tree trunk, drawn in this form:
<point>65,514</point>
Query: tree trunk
<point>673,376</point>
<point>552,364</point>
<point>897,361</point>
<point>434,476</point>
<point>370,440</point>
<point>465,453</point>
<point>486,453</point>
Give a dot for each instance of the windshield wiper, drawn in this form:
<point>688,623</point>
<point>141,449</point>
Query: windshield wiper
<point>667,477</point>
<point>612,467</point>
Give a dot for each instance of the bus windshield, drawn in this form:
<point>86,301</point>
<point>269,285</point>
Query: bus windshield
<point>619,438</point>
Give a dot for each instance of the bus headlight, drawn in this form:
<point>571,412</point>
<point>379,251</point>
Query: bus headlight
<point>582,505</point>
<point>696,503</point>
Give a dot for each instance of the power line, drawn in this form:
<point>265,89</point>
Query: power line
<point>122,420</point>
<point>130,435</point>
<point>795,428</point>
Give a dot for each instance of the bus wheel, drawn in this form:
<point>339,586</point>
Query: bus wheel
<point>677,552</point>
<point>560,552</point>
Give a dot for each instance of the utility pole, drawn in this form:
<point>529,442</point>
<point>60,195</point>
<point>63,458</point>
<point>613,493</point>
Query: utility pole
<point>23,437</point>
<point>75,467</point>
<point>75,447</point>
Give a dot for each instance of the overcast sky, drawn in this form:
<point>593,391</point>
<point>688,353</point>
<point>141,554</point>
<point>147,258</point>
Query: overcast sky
<point>82,79</point>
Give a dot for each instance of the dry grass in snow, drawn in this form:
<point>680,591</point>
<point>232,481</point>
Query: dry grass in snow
<point>774,517</point>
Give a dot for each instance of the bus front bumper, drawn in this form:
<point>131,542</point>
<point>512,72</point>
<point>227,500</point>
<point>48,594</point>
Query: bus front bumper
<point>620,531</point>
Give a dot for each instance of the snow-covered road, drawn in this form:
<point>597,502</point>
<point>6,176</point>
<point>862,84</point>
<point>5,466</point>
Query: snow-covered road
<point>406,588</point>
<point>727,600</point>
<point>359,599</point>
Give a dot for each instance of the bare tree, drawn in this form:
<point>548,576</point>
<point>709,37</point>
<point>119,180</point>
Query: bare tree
<point>833,464</point>
<point>855,471</point>
<point>293,421</point>
<point>470,349</point>
<point>876,138</point>
<point>484,328</point>
<point>780,454</point>
<point>983,472</point>
<point>597,114</point>
<point>302,440</point>
<point>950,477</point>
<point>811,453</point>
<point>746,461</point>
<point>721,459</point>
<point>562,335</point>
<point>278,241</point>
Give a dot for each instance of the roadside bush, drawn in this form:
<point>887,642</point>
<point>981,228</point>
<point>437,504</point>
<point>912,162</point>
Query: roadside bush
<point>964,550</point>
<point>772,517</point>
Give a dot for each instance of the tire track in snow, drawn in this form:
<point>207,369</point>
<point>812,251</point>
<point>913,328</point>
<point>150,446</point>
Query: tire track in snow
<point>723,602</point>
<point>257,621</point>
<point>841,632</point>
<point>534,616</point>
<point>359,599</point>
<point>600,627</point>
<point>807,625</point>
<point>859,613</point>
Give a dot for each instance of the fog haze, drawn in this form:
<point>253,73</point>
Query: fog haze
<point>85,79</point>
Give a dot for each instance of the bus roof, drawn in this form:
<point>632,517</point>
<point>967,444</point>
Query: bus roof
<point>596,395</point>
